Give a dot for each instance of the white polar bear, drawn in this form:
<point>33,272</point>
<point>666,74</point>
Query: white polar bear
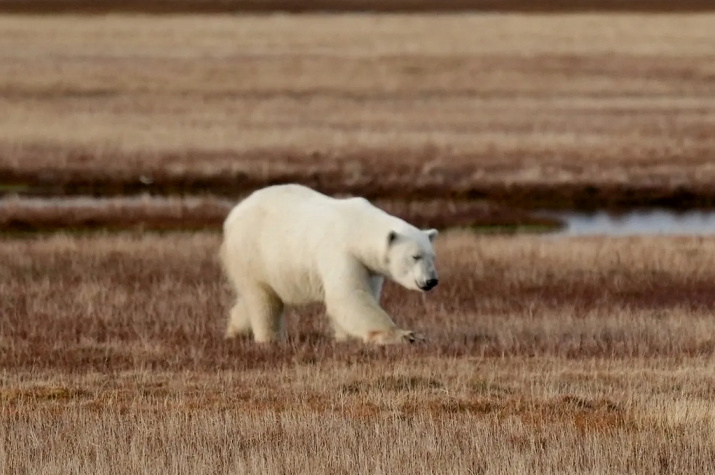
<point>290,245</point>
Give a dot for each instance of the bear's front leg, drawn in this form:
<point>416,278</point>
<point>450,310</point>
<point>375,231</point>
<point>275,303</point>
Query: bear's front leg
<point>351,295</point>
<point>357,314</point>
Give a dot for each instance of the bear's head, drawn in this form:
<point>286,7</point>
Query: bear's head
<point>411,258</point>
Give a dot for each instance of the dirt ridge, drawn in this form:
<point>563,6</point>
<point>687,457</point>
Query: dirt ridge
<point>406,185</point>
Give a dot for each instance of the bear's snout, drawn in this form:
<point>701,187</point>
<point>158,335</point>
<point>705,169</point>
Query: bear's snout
<point>430,284</point>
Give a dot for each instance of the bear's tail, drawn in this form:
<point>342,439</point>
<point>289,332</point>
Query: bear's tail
<point>225,262</point>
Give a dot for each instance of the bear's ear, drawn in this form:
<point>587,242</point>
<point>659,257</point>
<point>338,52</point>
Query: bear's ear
<point>392,237</point>
<point>431,234</point>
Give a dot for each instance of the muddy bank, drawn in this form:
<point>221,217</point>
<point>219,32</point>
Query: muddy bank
<point>81,214</point>
<point>397,183</point>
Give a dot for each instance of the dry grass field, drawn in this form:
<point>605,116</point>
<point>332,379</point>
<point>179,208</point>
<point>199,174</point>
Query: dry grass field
<point>545,109</point>
<point>543,356</point>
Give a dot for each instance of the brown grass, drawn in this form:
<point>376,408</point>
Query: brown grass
<point>527,109</point>
<point>269,6</point>
<point>544,355</point>
<point>132,300</point>
<point>425,416</point>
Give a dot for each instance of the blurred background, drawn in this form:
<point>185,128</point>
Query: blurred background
<point>581,116</point>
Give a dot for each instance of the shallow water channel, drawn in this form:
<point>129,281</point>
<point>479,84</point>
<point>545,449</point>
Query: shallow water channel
<point>632,223</point>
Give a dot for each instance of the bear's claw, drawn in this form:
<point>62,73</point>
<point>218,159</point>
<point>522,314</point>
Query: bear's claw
<point>395,336</point>
<point>414,337</point>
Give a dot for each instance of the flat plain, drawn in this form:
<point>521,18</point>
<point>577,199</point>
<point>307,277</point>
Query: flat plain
<point>530,110</point>
<point>588,355</point>
<point>545,354</point>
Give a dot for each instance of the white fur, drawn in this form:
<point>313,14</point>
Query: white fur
<point>290,245</point>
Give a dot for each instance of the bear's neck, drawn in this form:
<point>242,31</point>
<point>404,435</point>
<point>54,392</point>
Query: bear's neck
<point>373,256</point>
<point>374,266</point>
<point>372,252</point>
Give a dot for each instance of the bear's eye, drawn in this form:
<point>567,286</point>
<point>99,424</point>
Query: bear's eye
<point>417,257</point>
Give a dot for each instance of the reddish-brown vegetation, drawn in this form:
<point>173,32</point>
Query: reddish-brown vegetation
<point>527,110</point>
<point>206,213</point>
<point>546,355</point>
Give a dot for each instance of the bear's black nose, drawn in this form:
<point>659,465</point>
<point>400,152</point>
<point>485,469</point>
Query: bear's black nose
<point>431,284</point>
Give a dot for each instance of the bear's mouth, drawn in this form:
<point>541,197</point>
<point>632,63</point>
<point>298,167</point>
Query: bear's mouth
<point>429,285</point>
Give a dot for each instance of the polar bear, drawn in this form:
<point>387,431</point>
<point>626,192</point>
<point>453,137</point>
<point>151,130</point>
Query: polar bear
<point>289,245</point>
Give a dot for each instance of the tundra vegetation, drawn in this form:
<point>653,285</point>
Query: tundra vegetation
<point>545,354</point>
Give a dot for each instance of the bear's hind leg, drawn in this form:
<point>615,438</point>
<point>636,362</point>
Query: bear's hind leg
<point>239,322</point>
<point>265,312</point>
<point>339,333</point>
